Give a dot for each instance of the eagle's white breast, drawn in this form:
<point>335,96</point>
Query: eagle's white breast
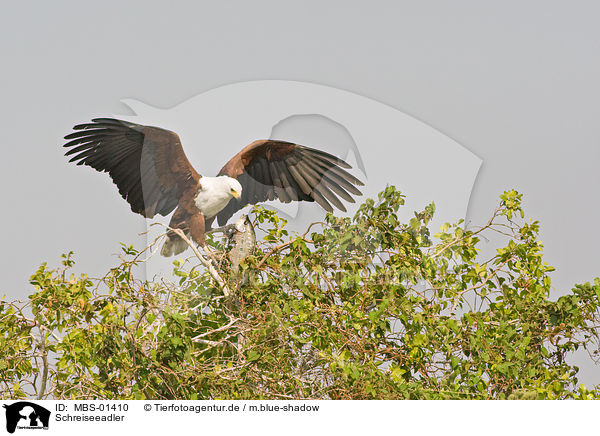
<point>215,194</point>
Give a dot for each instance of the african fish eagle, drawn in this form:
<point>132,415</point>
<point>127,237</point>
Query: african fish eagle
<point>153,174</point>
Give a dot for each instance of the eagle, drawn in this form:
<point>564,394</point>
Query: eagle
<point>153,174</point>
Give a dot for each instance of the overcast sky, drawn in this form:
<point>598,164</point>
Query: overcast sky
<point>515,83</point>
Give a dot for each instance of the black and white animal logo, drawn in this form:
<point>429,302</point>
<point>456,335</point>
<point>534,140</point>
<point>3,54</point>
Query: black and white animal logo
<point>24,414</point>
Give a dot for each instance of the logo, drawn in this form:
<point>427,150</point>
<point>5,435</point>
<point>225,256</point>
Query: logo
<point>26,415</point>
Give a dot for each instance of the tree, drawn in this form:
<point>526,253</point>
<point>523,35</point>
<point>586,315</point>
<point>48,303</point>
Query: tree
<point>356,308</point>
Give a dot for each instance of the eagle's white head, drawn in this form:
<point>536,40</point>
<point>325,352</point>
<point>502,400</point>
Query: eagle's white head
<point>215,193</point>
<point>233,187</point>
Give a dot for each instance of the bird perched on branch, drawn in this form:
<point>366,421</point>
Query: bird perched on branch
<point>153,174</point>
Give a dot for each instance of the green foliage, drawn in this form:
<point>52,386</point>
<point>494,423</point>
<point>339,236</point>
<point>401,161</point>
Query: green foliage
<point>362,308</point>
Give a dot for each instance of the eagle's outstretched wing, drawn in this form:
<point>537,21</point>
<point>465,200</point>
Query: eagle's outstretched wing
<point>269,169</point>
<point>146,163</point>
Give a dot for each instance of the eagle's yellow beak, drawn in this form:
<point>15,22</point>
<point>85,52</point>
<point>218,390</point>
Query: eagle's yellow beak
<point>235,194</point>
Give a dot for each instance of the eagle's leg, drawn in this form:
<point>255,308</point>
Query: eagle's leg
<point>196,223</point>
<point>197,226</point>
<point>223,229</point>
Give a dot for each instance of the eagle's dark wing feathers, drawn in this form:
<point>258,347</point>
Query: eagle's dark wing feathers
<point>269,169</point>
<point>146,163</point>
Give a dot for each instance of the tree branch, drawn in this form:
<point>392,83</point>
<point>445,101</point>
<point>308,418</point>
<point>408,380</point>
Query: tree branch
<point>44,355</point>
<point>207,263</point>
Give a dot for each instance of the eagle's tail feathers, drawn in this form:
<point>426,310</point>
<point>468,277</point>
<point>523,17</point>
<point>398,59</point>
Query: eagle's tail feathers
<point>174,245</point>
